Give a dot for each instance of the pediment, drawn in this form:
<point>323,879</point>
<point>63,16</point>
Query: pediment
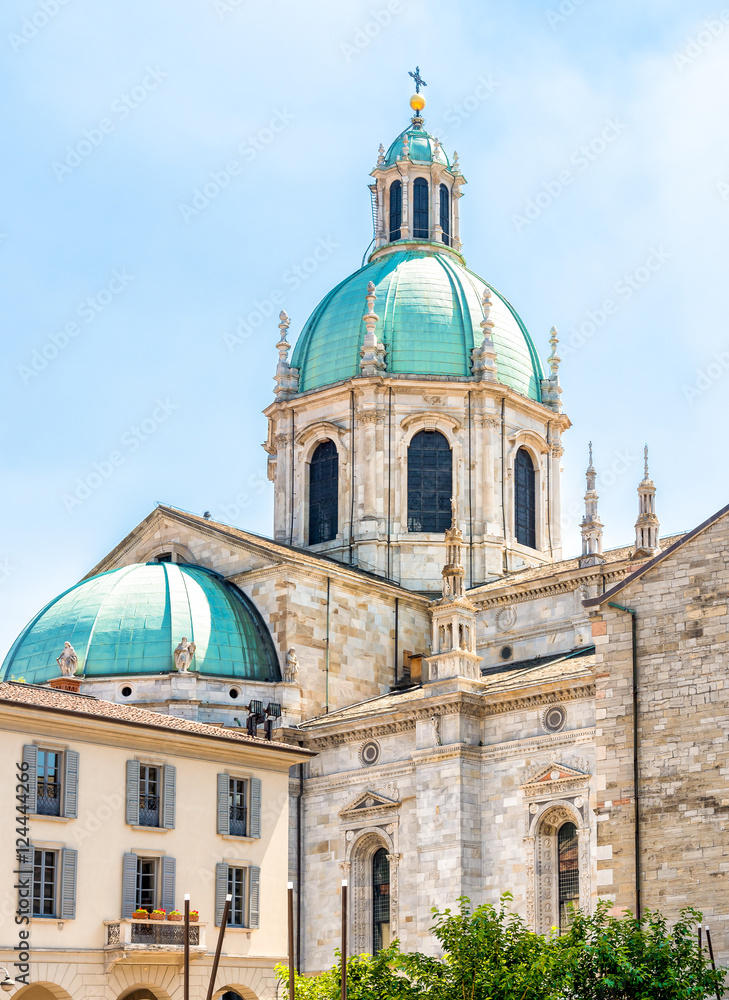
<point>367,802</point>
<point>555,773</point>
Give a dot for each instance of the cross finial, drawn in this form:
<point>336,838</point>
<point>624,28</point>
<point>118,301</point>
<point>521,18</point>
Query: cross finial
<point>419,81</point>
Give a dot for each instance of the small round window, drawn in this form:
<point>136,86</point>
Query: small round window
<point>126,691</point>
<point>234,693</point>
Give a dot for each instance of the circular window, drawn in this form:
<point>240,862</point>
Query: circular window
<point>126,691</point>
<point>369,753</point>
<point>234,693</point>
<point>505,653</point>
<point>554,718</point>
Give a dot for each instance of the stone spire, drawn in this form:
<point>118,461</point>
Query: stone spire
<point>287,378</point>
<point>483,359</point>
<point>551,389</point>
<point>453,571</point>
<point>381,156</point>
<point>646,527</point>
<point>372,352</point>
<point>591,524</point>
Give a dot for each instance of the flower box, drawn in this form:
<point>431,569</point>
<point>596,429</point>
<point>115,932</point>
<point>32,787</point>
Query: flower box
<point>174,916</point>
<point>140,915</point>
<point>194,915</point>
<point>158,915</point>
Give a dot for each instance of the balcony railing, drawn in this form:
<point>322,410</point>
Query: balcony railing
<point>127,938</point>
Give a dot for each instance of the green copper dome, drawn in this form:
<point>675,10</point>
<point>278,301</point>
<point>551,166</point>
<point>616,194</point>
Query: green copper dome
<point>422,147</point>
<point>129,621</point>
<point>429,307</point>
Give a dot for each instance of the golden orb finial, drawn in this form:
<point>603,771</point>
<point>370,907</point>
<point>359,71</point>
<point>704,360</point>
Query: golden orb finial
<point>417,102</point>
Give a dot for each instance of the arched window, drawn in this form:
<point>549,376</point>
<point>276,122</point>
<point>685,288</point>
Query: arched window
<point>421,228</point>
<point>430,482</point>
<point>380,901</point>
<point>445,214</point>
<point>323,493</point>
<point>395,210</point>
<point>525,501</point>
<point>569,873</point>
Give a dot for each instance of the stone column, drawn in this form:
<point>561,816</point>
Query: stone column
<point>407,223</point>
<point>282,505</point>
<point>490,424</point>
<point>368,420</point>
<point>557,451</point>
<point>457,193</point>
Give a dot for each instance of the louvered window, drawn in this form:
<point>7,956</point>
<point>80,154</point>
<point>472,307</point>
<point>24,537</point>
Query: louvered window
<point>421,229</point>
<point>430,482</point>
<point>445,214</point>
<point>395,210</point>
<point>525,500</point>
<point>323,493</point>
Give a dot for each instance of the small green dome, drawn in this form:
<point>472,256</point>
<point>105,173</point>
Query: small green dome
<point>422,147</point>
<point>129,621</point>
<point>429,307</point>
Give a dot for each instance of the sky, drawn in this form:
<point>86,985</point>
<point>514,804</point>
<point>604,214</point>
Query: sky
<point>171,171</point>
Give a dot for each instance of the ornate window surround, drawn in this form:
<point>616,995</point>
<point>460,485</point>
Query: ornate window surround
<point>307,441</point>
<point>538,450</point>
<point>412,424</point>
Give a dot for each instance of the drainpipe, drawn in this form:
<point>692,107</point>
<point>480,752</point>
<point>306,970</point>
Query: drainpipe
<point>326,706</point>
<point>299,856</point>
<point>634,644</point>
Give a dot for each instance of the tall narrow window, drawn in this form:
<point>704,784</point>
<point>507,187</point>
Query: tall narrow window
<point>421,229</point>
<point>146,888</point>
<point>525,500</point>
<point>238,807</point>
<point>395,210</point>
<point>237,892</point>
<point>569,873</point>
<point>44,883</point>
<point>430,482</point>
<point>323,493</point>
<point>49,783</point>
<point>380,901</point>
<point>149,795</point>
<point>445,214</point>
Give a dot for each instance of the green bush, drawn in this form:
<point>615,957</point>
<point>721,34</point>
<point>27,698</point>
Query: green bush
<point>490,954</point>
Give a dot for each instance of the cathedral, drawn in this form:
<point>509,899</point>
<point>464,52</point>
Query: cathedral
<point>487,715</point>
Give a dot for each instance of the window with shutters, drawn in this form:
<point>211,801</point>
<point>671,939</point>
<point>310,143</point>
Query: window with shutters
<point>238,805</point>
<point>243,884</point>
<point>421,228</point>
<point>430,482</point>
<point>525,501</point>
<point>147,885</point>
<point>48,783</point>
<point>52,781</point>
<point>445,214</point>
<point>45,883</point>
<point>323,493</point>
<point>395,210</point>
<point>149,795</point>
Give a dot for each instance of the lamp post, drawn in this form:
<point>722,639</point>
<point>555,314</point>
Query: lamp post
<point>6,983</point>
<point>344,939</point>
<point>186,964</point>
<point>292,986</point>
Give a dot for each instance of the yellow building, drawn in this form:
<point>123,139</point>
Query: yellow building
<point>120,810</point>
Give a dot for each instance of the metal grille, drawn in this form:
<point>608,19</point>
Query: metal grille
<point>148,795</point>
<point>525,500</point>
<point>238,807</point>
<point>44,883</point>
<point>380,901</point>
<point>420,209</point>
<point>160,932</point>
<point>569,872</point>
<point>445,214</point>
<point>430,482</point>
<point>112,934</point>
<point>49,783</point>
<point>323,493</point>
<point>395,210</point>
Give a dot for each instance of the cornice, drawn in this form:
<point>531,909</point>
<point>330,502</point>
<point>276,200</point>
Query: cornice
<point>534,589</point>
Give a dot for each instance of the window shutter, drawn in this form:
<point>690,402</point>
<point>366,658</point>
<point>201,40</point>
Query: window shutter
<point>255,824</point>
<point>168,884</point>
<point>170,781</point>
<point>221,891</point>
<point>133,792</point>
<point>223,804</point>
<point>129,885</point>
<point>30,758</point>
<point>254,895</point>
<point>70,790</point>
<point>67,909</point>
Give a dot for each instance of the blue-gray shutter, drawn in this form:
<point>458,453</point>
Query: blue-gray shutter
<point>255,824</point>
<point>70,790</point>
<point>30,759</point>
<point>133,792</point>
<point>129,885</point>
<point>67,909</point>
<point>223,804</point>
<point>168,884</point>
<point>254,895</point>
<point>221,891</point>
<point>168,813</point>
